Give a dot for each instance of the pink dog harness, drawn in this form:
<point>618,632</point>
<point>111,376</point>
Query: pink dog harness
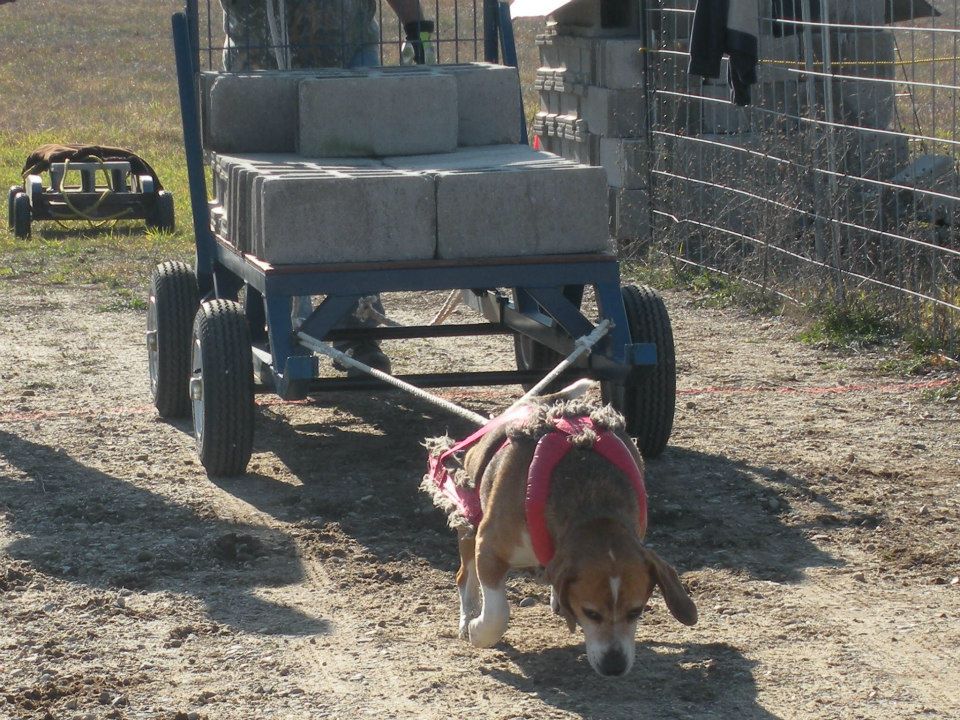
<point>550,450</point>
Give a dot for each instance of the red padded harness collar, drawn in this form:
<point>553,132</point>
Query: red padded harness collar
<point>550,450</point>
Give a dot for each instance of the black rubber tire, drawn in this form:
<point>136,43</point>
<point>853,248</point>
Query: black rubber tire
<point>648,398</point>
<point>223,417</point>
<point>531,355</point>
<point>22,216</point>
<point>11,196</point>
<point>174,299</point>
<point>162,217</point>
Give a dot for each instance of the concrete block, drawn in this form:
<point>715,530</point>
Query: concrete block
<point>781,59</point>
<point>933,174</point>
<point>565,81</point>
<point>570,127</point>
<point>858,12</point>
<point>674,22</point>
<point>235,177</point>
<point>488,103</point>
<point>250,112</point>
<point>872,155</point>
<point>379,114</point>
<point>343,216</point>
<point>719,114</point>
<point>578,56</point>
<point>550,144</point>
<point>626,162</point>
<point>867,103</point>
<point>613,113</point>
<point>598,18</point>
<point>550,101</point>
<point>629,211</point>
<point>544,78</point>
<point>574,55</point>
<point>618,63</point>
<point>569,104</point>
<point>493,157</point>
<point>584,149</point>
<point>548,51</point>
<point>532,211</point>
<point>542,122</point>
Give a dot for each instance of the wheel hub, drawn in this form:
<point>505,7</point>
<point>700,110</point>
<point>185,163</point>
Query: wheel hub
<point>196,389</point>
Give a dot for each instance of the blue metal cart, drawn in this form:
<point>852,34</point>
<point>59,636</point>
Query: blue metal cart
<point>212,347</point>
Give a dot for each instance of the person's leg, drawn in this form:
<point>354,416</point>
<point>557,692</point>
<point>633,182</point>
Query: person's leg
<point>245,43</point>
<point>369,54</point>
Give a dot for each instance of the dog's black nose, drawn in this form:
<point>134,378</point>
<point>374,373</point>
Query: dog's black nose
<point>613,663</point>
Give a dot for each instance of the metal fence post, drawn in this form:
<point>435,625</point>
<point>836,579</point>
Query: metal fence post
<point>491,34</point>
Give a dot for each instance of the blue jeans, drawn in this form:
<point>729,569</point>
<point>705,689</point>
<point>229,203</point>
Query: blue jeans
<point>368,56</point>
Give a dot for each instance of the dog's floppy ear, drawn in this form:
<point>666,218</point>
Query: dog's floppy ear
<point>678,602</point>
<point>561,577</point>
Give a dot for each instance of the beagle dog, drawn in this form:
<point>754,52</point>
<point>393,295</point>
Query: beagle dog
<point>586,530</point>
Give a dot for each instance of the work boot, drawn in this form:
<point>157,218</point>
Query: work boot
<point>369,353</point>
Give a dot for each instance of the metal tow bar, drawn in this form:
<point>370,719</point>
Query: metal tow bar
<point>582,345</point>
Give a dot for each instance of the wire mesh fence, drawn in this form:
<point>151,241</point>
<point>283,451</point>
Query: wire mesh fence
<point>839,180</point>
<point>299,34</point>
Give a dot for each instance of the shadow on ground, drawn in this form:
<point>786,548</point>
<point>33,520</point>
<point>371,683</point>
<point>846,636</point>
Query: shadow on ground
<point>86,526</point>
<point>363,472</point>
<point>668,680</point>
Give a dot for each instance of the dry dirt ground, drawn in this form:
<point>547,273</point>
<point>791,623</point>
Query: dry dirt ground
<point>811,507</point>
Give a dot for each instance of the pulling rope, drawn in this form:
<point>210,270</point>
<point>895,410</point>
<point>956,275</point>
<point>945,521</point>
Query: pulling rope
<point>341,357</point>
<point>582,345</point>
<point>366,310</point>
<point>449,305</point>
<point>85,214</point>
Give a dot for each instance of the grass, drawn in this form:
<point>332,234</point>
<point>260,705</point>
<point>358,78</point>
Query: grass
<point>854,323</point>
<point>711,289</point>
<point>77,71</point>
<point>88,71</point>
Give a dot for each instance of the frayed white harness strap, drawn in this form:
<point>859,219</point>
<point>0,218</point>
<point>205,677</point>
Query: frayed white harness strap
<point>279,33</point>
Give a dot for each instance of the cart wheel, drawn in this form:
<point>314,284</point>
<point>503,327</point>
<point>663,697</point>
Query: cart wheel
<point>221,387</point>
<point>532,355</point>
<point>21,215</point>
<point>161,217</point>
<point>173,303</point>
<point>648,397</point>
<point>11,196</point>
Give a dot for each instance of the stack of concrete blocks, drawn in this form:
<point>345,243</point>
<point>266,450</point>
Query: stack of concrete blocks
<point>390,164</point>
<point>593,104</point>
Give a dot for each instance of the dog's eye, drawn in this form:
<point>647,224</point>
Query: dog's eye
<point>634,614</point>
<point>592,615</point>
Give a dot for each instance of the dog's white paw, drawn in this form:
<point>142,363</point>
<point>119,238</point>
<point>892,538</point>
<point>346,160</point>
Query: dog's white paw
<point>484,635</point>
